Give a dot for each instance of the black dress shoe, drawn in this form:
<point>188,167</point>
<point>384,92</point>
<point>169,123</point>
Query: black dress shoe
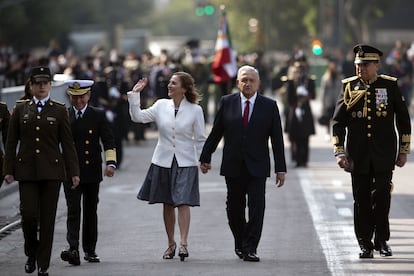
<point>71,256</point>
<point>251,257</point>
<point>30,265</point>
<point>239,253</point>
<point>366,253</point>
<point>91,257</point>
<point>42,272</point>
<point>383,248</point>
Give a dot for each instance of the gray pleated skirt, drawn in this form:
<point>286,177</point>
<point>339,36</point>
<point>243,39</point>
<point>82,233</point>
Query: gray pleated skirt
<point>175,186</point>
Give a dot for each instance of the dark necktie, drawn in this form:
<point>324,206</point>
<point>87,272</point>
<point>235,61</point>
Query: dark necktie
<point>79,115</point>
<point>246,114</point>
<point>39,106</point>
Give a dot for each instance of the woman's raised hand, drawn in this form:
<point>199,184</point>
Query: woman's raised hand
<point>140,85</point>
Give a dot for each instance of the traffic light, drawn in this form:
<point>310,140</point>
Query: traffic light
<point>209,9</point>
<point>204,8</point>
<point>317,47</point>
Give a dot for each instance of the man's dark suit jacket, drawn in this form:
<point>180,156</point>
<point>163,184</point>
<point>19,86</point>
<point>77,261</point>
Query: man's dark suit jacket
<point>88,134</point>
<point>250,145</point>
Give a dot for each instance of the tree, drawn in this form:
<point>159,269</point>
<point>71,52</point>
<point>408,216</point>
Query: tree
<point>360,17</point>
<point>35,23</point>
<point>281,23</point>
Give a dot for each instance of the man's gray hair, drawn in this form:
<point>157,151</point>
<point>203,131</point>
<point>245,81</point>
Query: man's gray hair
<point>245,68</point>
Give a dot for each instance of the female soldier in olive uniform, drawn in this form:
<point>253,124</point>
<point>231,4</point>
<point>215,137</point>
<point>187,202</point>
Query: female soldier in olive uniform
<point>365,114</point>
<point>39,132</point>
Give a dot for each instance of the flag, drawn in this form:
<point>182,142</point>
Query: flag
<point>224,66</point>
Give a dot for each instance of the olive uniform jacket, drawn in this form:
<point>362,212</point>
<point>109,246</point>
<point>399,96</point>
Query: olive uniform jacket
<point>88,133</point>
<point>4,124</point>
<point>367,115</point>
<point>44,143</point>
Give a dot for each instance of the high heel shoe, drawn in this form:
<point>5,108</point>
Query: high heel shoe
<point>170,252</point>
<point>183,252</point>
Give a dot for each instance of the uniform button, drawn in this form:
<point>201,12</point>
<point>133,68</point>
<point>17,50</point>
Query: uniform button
<point>37,150</point>
<point>368,93</point>
<point>86,152</point>
<point>87,162</point>
<point>173,146</point>
<point>56,161</point>
<point>369,135</point>
<point>87,142</point>
<point>369,109</point>
<point>38,117</point>
<point>368,101</point>
<point>173,137</point>
<point>369,118</point>
<point>37,139</point>
<point>90,131</point>
<point>369,126</point>
<point>37,128</point>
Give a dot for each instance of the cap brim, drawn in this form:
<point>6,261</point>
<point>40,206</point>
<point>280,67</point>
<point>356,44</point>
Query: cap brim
<point>77,93</point>
<point>365,61</point>
<point>80,92</point>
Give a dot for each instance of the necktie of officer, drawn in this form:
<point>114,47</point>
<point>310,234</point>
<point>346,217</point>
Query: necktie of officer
<point>39,106</point>
<point>79,115</point>
<point>246,114</point>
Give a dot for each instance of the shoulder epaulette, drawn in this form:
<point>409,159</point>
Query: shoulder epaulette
<point>22,101</point>
<point>388,77</point>
<point>57,102</point>
<point>349,79</point>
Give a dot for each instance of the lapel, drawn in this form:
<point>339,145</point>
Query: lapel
<point>255,110</point>
<point>72,116</point>
<point>86,113</point>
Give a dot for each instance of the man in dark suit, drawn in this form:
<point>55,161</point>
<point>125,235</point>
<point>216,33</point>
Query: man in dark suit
<point>40,154</point>
<point>366,114</point>
<point>246,120</point>
<point>90,128</point>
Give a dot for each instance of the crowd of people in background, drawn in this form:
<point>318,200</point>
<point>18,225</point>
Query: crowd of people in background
<point>115,73</point>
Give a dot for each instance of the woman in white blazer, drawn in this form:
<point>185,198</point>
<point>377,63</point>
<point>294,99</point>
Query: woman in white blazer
<point>172,178</point>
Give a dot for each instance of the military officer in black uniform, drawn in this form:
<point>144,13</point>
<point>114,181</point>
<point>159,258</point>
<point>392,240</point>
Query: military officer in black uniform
<point>365,114</point>
<point>40,154</point>
<point>90,128</point>
<point>4,125</point>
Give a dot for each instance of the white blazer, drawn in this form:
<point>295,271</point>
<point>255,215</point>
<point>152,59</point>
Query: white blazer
<point>182,135</point>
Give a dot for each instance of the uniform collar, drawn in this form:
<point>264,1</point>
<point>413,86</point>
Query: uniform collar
<point>43,101</point>
<point>371,81</point>
<point>82,110</point>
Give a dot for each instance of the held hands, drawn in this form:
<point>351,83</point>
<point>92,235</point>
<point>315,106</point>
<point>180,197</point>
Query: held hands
<point>139,86</point>
<point>9,178</point>
<point>75,182</point>
<point>204,167</point>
